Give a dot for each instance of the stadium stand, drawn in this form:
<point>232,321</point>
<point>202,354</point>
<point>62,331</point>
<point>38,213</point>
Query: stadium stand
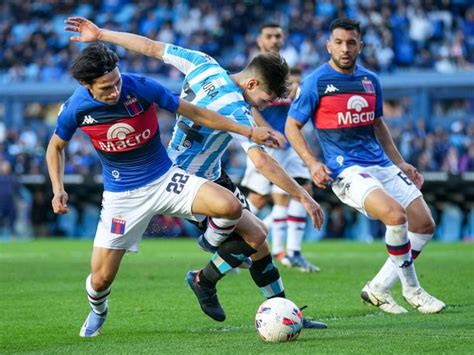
<point>423,51</point>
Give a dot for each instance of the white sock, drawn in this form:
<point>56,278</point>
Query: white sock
<point>296,226</point>
<point>398,247</point>
<point>278,227</point>
<point>218,229</point>
<point>387,275</point>
<point>97,300</point>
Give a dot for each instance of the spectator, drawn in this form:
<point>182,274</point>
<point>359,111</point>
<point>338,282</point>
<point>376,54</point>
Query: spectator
<point>8,190</point>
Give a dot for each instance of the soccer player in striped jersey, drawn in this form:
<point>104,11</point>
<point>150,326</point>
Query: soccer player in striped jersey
<point>363,165</point>
<point>287,219</point>
<point>199,150</point>
<point>119,114</point>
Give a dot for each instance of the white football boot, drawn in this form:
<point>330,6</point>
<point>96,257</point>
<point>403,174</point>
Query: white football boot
<point>423,301</point>
<point>381,299</point>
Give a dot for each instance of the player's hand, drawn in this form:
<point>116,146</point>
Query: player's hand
<point>59,202</point>
<point>314,210</point>
<point>413,174</point>
<point>282,142</point>
<point>320,174</point>
<point>265,136</point>
<point>88,31</point>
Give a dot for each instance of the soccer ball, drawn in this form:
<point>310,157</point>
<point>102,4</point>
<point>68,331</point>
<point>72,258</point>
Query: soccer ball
<point>278,319</point>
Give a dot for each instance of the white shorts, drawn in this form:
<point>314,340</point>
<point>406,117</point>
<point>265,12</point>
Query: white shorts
<point>290,162</point>
<point>125,215</point>
<point>354,184</point>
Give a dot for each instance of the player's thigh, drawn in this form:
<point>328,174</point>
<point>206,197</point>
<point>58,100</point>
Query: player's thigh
<point>123,219</point>
<point>397,184</point>
<point>357,187</point>
<point>419,216</point>
<point>251,229</point>
<point>216,201</point>
<point>379,204</point>
<point>353,185</point>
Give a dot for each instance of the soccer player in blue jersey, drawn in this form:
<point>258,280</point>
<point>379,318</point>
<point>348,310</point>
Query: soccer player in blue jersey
<point>288,216</point>
<point>119,114</point>
<point>199,150</point>
<point>363,165</point>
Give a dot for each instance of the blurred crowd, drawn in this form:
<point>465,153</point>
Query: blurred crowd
<point>428,34</point>
<point>430,148</point>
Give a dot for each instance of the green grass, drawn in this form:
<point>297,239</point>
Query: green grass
<point>43,304</point>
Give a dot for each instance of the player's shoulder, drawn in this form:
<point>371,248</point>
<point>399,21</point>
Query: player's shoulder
<point>79,98</point>
<point>321,71</point>
<point>136,80</point>
<point>361,70</point>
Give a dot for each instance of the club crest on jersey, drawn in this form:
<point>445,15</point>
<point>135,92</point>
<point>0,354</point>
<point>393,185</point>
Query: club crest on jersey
<point>133,106</point>
<point>118,225</point>
<point>368,86</point>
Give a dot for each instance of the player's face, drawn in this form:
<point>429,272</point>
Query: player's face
<point>271,39</point>
<point>107,88</point>
<point>257,95</point>
<point>295,81</point>
<point>344,47</point>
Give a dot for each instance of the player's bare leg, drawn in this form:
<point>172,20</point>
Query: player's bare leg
<point>105,264</point>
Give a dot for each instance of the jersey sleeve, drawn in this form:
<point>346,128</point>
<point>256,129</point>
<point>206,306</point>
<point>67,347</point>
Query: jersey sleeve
<point>243,116</point>
<point>66,125</point>
<point>305,103</point>
<point>185,60</point>
<point>152,91</point>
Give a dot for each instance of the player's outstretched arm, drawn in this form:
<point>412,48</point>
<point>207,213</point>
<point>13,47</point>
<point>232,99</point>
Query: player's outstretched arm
<point>55,159</point>
<point>211,119</point>
<point>319,171</point>
<point>273,171</point>
<point>385,139</point>
<point>90,32</point>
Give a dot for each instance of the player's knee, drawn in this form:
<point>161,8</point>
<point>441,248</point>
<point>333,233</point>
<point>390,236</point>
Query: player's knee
<point>394,216</point>
<point>425,226</point>
<point>232,208</point>
<point>258,235</point>
<point>101,281</point>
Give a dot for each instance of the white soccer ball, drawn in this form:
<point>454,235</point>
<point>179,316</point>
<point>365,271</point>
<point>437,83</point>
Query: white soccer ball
<point>278,319</point>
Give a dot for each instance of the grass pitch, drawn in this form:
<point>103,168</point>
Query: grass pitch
<point>43,303</point>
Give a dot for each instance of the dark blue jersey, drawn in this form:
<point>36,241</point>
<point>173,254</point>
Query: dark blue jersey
<point>126,135</point>
<point>276,113</point>
<point>343,109</point>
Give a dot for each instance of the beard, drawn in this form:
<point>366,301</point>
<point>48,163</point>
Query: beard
<point>346,66</point>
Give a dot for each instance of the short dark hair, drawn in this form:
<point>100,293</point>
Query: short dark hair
<point>269,25</point>
<point>95,61</point>
<point>346,24</point>
<point>273,70</point>
<point>296,71</point>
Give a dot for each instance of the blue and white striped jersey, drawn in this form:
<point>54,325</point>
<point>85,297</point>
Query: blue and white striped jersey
<point>194,148</point>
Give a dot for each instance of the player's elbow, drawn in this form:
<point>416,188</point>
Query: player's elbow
<point>290,127</point>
